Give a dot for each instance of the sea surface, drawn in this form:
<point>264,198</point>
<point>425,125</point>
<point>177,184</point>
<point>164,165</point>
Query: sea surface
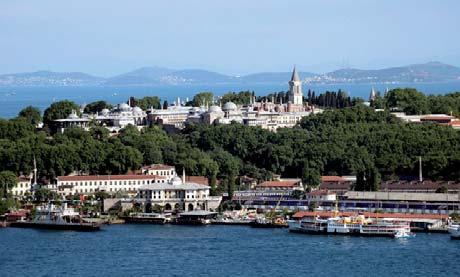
<point>155,250</point>
<point>13,99</point>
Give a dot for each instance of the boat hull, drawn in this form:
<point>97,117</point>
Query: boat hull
<point>62,227</point>
<point>137,220</point>
<point>267,225</point>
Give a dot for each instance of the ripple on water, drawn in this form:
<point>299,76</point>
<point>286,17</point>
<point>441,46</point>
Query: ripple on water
<point>220,250</point>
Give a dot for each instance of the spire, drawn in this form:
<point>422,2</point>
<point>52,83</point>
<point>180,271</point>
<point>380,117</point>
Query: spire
<point>35,171</point>
<point>295,76</point>
<point>183,175</point>
<point>373,95</point>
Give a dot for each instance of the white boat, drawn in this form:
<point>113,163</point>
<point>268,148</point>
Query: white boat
<point>57,218</point>
<point>454,231</point>
<point>308,225</point>
<point>353,226</point>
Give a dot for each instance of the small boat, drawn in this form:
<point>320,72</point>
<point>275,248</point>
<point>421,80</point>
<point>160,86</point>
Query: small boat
<point>56,218</point>
<point>454,231</point>
<point>264,222</point>
<point>195,218</point>
<point>151,218</point>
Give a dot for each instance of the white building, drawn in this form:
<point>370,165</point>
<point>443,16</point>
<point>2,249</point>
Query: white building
<point>178,195</point>
<point>23,187</point>
<point>114,120</point>
<point>166,171</point>
<point>72,185</point>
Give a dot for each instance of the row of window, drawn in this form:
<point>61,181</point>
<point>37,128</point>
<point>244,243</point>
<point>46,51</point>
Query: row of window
<point>100,183</point>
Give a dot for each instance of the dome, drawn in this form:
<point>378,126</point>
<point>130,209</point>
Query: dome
<point>105,111</point>
<point>230,106</point>
<point>137,110</point>
<point>72,115</point>
<point>215,109</point>
<point>124,107</point>
<point>176,181</point>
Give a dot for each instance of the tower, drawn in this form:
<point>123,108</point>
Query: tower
<point>372,95</point>
<point>295,89</point>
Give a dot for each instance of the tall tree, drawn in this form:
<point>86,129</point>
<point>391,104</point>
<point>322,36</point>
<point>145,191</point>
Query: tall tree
<point>31,115</point>
<point>59,110</point>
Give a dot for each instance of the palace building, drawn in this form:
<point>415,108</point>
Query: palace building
<point>266,114</point>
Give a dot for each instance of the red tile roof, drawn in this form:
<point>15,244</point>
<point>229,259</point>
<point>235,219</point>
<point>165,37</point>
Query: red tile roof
<point>202,180</point>
<point>108,177</point>
<point>279,184</point>
<point>158,167</point>
<point>437,117</point>
<point>372,215</point>
<point>332,179</point>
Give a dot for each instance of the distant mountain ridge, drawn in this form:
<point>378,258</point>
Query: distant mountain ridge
<point>160,76</point>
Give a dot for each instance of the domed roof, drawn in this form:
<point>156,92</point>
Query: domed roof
<point>105,111</point>
<point>72,115</point>
<point>215,109</point>
<point>124,107</point>
<point>230,106</point>
<point>137,110</point>
<point>176,180</point>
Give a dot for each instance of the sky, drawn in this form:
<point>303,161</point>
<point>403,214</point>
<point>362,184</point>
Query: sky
<point>110,37</point>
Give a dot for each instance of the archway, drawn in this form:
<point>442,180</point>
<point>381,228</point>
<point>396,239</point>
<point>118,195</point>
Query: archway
<point>148,208</point>
<point>190,207</point>
<point>177,207</point>
<point>168,207</point>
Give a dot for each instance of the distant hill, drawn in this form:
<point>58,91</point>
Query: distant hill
<point>272,77</point>
<point>160,76</point>
<point>49,78</point>
<point>427,72</point>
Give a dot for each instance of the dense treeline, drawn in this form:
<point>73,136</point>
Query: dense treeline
<point>348,141</point>
<point>411,101</point>
<point>352,140</point>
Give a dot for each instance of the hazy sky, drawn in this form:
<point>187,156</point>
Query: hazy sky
<point>235,37</point>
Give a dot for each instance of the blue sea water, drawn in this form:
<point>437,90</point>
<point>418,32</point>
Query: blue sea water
<point>13,99</point>
<point>154,250</point>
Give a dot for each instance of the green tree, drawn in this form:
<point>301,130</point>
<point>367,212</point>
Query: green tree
<point>45,195</point>
<point>97,106</point>
<point>203,98</point>
<point>8,180</point>
<point>408,100</point>
<point>59,110</point>
<point>31,114</point>
<point>148,102</point>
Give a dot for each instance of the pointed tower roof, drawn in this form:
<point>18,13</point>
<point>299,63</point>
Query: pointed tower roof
<point>295,76</point>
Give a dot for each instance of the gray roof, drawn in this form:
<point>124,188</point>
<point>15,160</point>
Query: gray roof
<point>166,186</point>
<point>295,76</point>
<point>198,212</point>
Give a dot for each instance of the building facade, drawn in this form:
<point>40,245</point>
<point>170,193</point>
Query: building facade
<point>178,195</point>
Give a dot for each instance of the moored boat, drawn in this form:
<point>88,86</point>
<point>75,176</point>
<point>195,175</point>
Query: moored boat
<point>195,218</point>
<point>264,222</point>
<point>352,226</point>
<point>150,218</point>
<point>54,217</point>
<point>454,231</point>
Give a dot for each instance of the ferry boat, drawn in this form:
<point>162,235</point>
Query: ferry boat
<point>198,217</point>
<point>354,226</point>
<point>308,225</point>
<point>151,218</point>
<point>454,231</point>
<point>57,218</point>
